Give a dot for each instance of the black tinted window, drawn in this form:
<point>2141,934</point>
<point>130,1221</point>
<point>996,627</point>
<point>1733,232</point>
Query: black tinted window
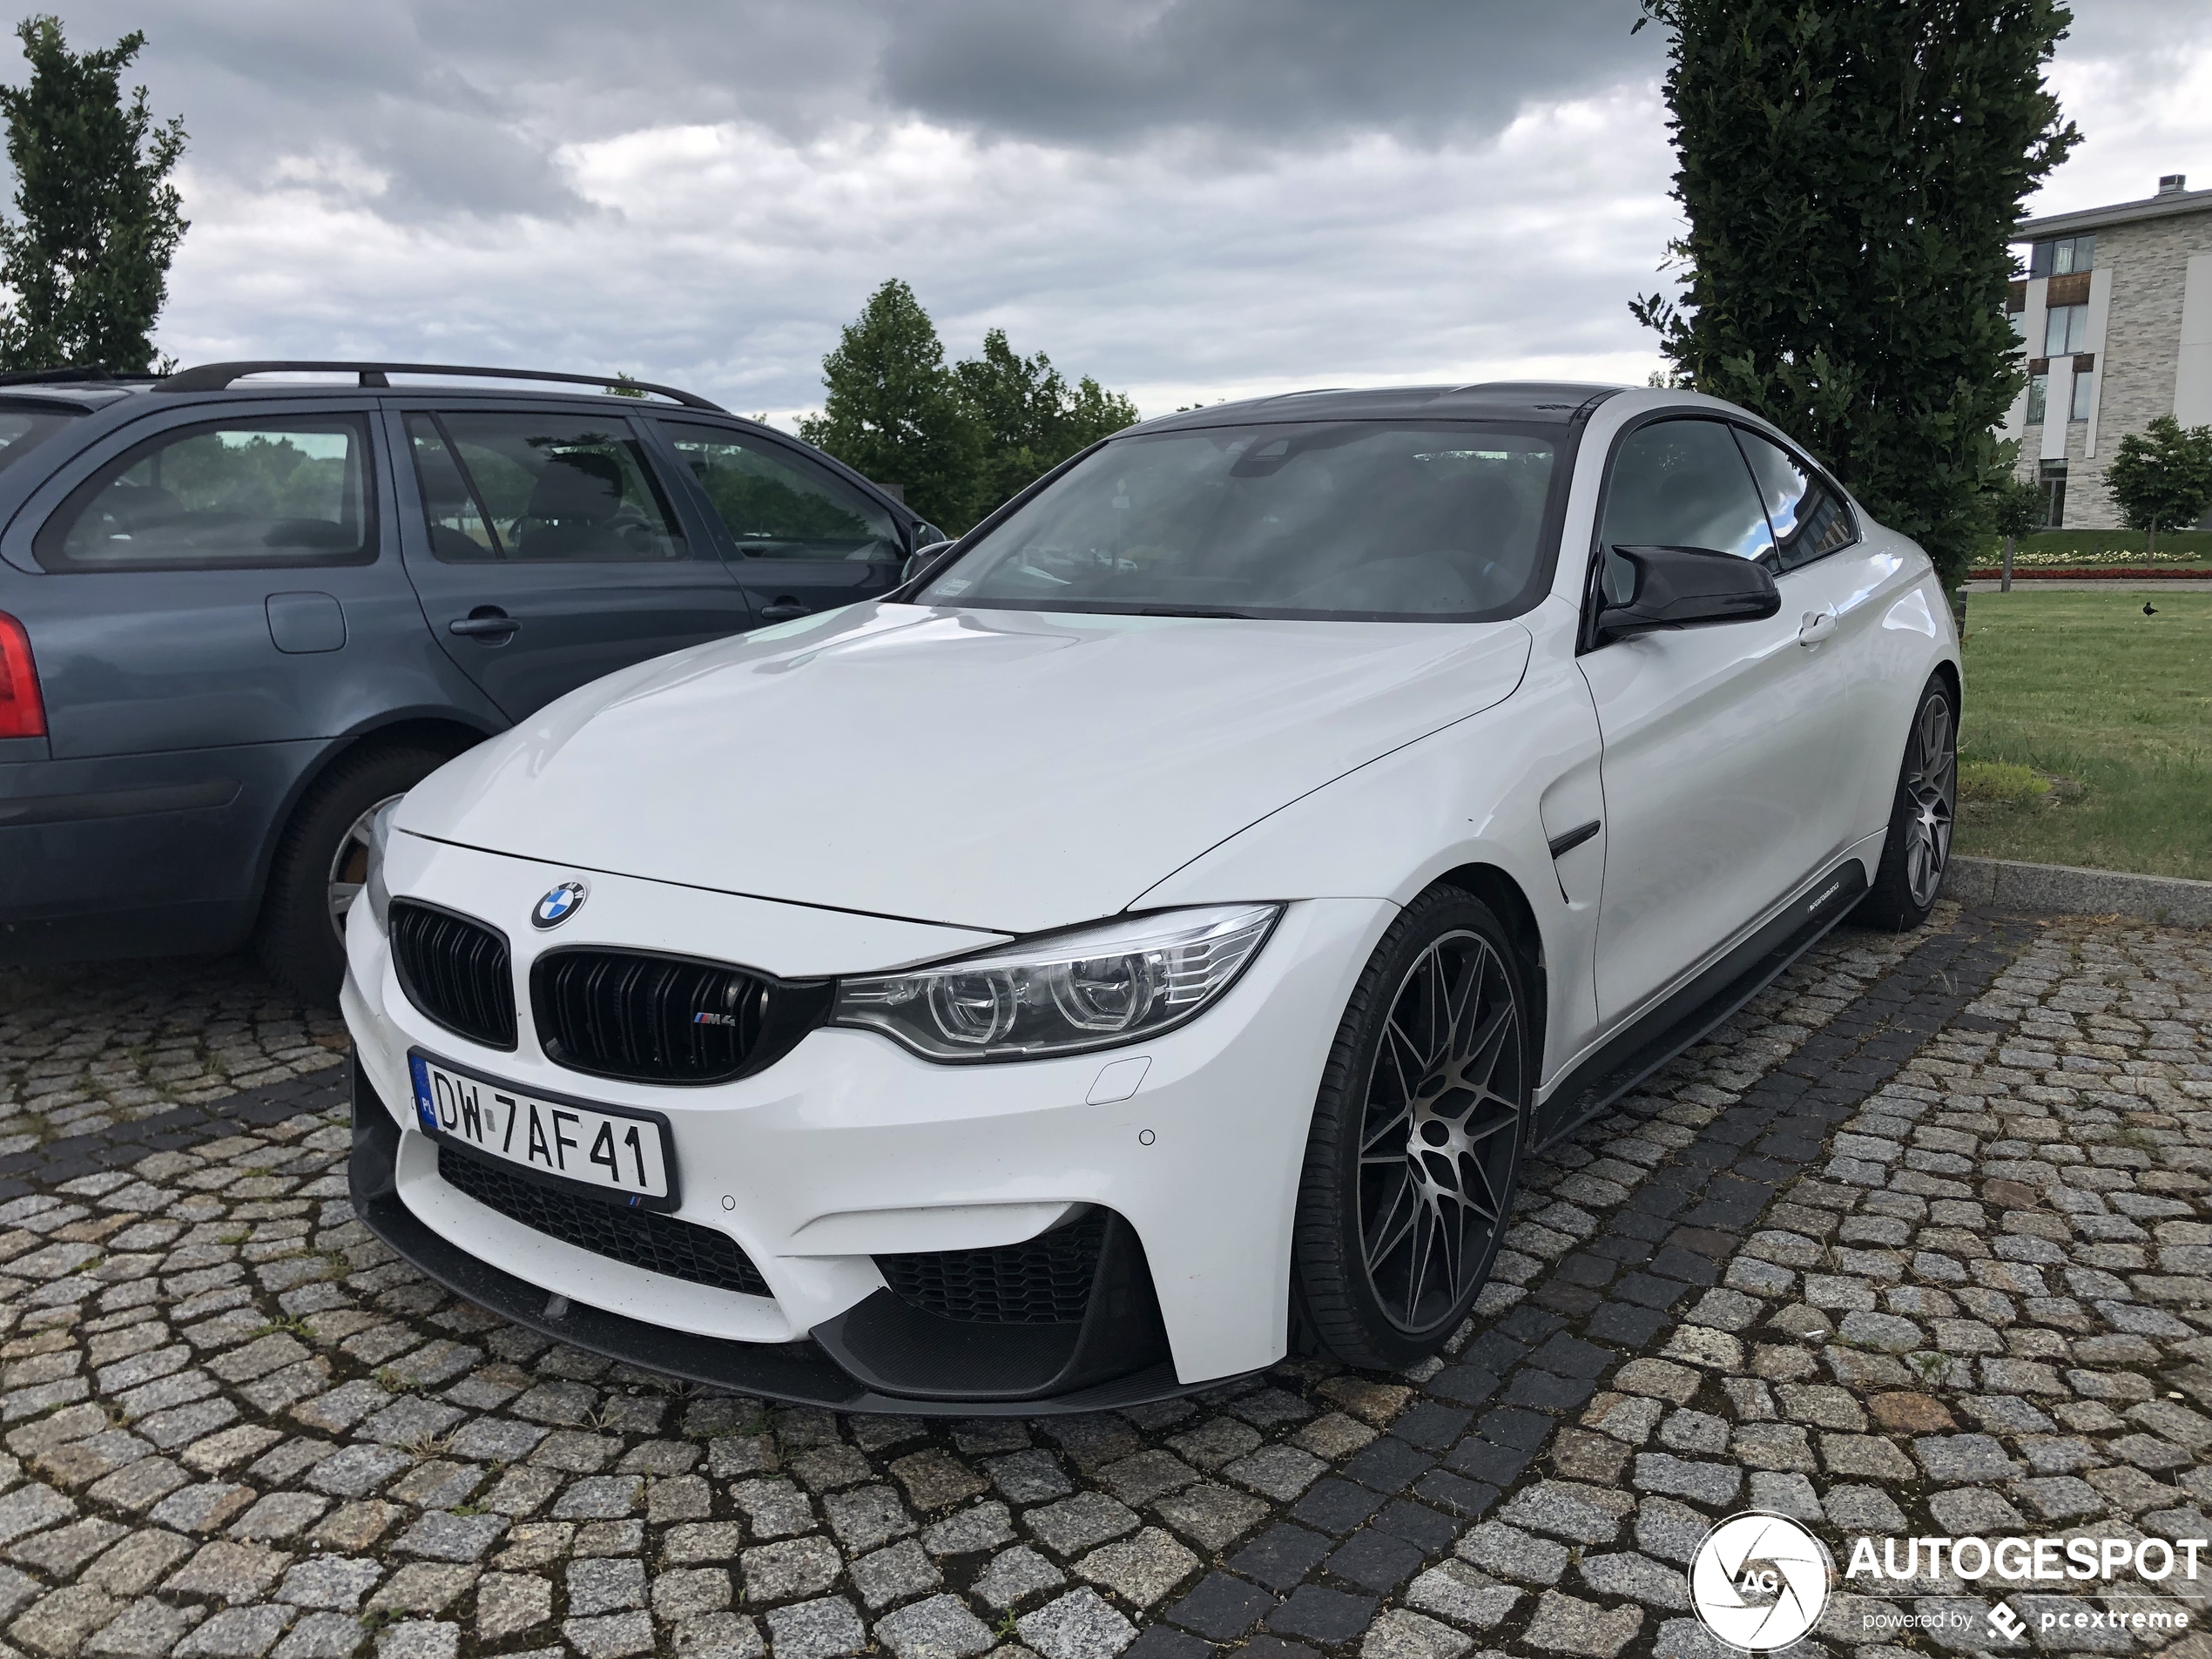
<point>1330,519</point>
<point>1809,521</point>
<point>1681,483</point>
<point>776,505</point>
<point>540,487</point>
<point>271,492</point>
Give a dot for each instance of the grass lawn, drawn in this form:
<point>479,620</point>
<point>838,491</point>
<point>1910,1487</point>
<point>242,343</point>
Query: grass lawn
<point>2088,735</point>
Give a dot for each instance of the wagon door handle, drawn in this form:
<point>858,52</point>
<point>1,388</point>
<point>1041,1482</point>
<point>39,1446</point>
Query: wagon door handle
<point>1817,626</point>
<point>784,610</point>
<point>487,622</point>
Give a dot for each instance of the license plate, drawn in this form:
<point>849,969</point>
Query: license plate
<point>619,1155</point>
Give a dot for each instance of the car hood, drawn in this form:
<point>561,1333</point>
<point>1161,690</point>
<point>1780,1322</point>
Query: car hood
<point>1005,769</point>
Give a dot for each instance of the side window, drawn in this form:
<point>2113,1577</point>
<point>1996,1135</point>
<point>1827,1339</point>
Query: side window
<point>540,488</point>
<point>1681,483</point>
<point>1809,519</point>
<point>285,491</point>
<point>776,505</point>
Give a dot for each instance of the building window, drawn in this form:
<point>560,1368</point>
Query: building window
<point>2062,258</point>
<point>2083,384</point>
<point>2052,478</point>
<point>2065,330</point>
<point>2038,388</point>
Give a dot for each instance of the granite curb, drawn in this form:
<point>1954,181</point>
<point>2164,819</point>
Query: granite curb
<point>2060,889</point>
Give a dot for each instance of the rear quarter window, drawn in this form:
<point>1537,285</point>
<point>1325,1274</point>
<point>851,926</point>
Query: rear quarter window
<point>285,491</point>
<point>23,428</point>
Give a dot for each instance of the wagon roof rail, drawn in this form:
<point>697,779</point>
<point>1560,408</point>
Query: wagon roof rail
<point>216,377</point>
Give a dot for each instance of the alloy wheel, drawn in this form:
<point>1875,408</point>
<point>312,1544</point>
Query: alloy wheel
<point>349,867</point>
<point>1931,788</point>
<point>1440,1132</point>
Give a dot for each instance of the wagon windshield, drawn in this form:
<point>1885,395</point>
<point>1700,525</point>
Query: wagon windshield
<point>1350,519</point>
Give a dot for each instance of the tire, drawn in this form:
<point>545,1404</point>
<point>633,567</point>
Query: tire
<point>1917,851</point>
<point>298,938</point>
<point>1388,1254</point>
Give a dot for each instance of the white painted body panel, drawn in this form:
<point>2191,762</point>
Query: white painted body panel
<point>998,770</point>
<point>891,785</point>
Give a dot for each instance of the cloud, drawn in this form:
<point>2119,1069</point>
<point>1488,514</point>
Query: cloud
<point>1188,198</point>
<point>1293,72</point>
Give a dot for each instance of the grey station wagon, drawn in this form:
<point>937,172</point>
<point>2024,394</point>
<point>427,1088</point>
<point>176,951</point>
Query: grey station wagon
<point>237,617</point>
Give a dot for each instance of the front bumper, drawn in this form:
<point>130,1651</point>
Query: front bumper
<point>849,1148</point>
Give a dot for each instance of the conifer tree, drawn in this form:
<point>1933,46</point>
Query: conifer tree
<point>86,256</point>
<point>894,413</point>
<point>1852,171</point>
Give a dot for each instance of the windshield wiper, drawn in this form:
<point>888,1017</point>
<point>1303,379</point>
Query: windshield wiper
<point>1195,610</point>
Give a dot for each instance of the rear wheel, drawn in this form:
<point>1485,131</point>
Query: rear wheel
<point>1917,850</point>
<point>321,862</point>
<point>1415,1151</point>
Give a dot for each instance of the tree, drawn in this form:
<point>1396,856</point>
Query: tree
<point>87,257</point>
<point>2162,476</point>
<point>1851,172</point>
<point>894,412</point>
<point>2017,508</point>
<point>961,440</point>
<point>1032,420</point>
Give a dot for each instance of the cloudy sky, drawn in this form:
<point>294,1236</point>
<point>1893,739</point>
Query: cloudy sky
<point>1188,198</point>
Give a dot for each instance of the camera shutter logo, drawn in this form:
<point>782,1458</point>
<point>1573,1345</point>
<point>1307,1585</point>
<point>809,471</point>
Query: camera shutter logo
<point>559,905</point>
<point>1759,1581</point>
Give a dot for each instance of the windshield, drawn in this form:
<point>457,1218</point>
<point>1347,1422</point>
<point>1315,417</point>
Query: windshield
<point>1365,519</point>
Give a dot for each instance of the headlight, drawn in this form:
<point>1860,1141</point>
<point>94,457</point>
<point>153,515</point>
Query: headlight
<point>380,836</point>
<point>1113,984</point>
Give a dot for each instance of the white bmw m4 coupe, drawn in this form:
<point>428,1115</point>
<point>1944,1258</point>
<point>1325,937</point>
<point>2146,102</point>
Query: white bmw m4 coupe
<point>1152,937</point>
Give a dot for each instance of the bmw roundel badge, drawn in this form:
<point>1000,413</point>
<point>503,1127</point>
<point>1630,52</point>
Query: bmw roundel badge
<point>559,905</point>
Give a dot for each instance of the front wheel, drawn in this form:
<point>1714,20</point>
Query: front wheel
<point>1918,849</point>
<point>321,862</point>
<point>1418,1131</point>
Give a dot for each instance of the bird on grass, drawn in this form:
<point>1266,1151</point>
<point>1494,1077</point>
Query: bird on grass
<point>2149,609</point>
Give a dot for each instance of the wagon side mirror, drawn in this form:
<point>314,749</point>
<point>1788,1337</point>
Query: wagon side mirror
<point>923,559</point>
<point>1682,587</point>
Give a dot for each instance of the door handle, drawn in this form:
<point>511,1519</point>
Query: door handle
<point>486,622</point>
<point>1817,626</point>
<point>786,610</point>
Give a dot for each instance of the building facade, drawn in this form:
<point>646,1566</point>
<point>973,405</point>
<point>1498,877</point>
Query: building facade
<point>2116,316</point>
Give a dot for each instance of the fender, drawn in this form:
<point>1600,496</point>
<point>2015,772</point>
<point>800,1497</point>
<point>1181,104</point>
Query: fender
<point>1473,793</point>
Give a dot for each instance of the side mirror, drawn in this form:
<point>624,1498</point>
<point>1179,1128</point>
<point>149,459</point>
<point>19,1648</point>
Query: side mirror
<point>1686,587</point>
<point>922,558</point>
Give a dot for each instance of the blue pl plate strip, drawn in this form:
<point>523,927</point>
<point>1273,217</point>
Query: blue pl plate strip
<point>423,1109</point>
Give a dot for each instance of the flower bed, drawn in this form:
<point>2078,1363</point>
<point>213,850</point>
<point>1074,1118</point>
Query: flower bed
<point>2093,573</point>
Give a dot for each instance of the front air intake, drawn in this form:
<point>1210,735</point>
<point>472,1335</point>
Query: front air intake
<point>657,1019</point>
<point>456,970</point>
<point>1045,1280</point>
<point>640,1239</point>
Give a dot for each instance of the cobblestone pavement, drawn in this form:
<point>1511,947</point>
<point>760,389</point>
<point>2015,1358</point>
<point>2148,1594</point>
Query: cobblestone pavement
<point>84,1048</point>
<point>1916,1244</point>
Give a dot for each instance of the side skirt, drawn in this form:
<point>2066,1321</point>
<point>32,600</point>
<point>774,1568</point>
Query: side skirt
<point>1683,1018</point>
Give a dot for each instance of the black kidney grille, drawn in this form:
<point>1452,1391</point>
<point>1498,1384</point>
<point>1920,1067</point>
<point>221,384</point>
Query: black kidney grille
<point>640,1238</point>
<point>664,1019</point>
<point>455,971</point>
<point>1045,1280</point>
